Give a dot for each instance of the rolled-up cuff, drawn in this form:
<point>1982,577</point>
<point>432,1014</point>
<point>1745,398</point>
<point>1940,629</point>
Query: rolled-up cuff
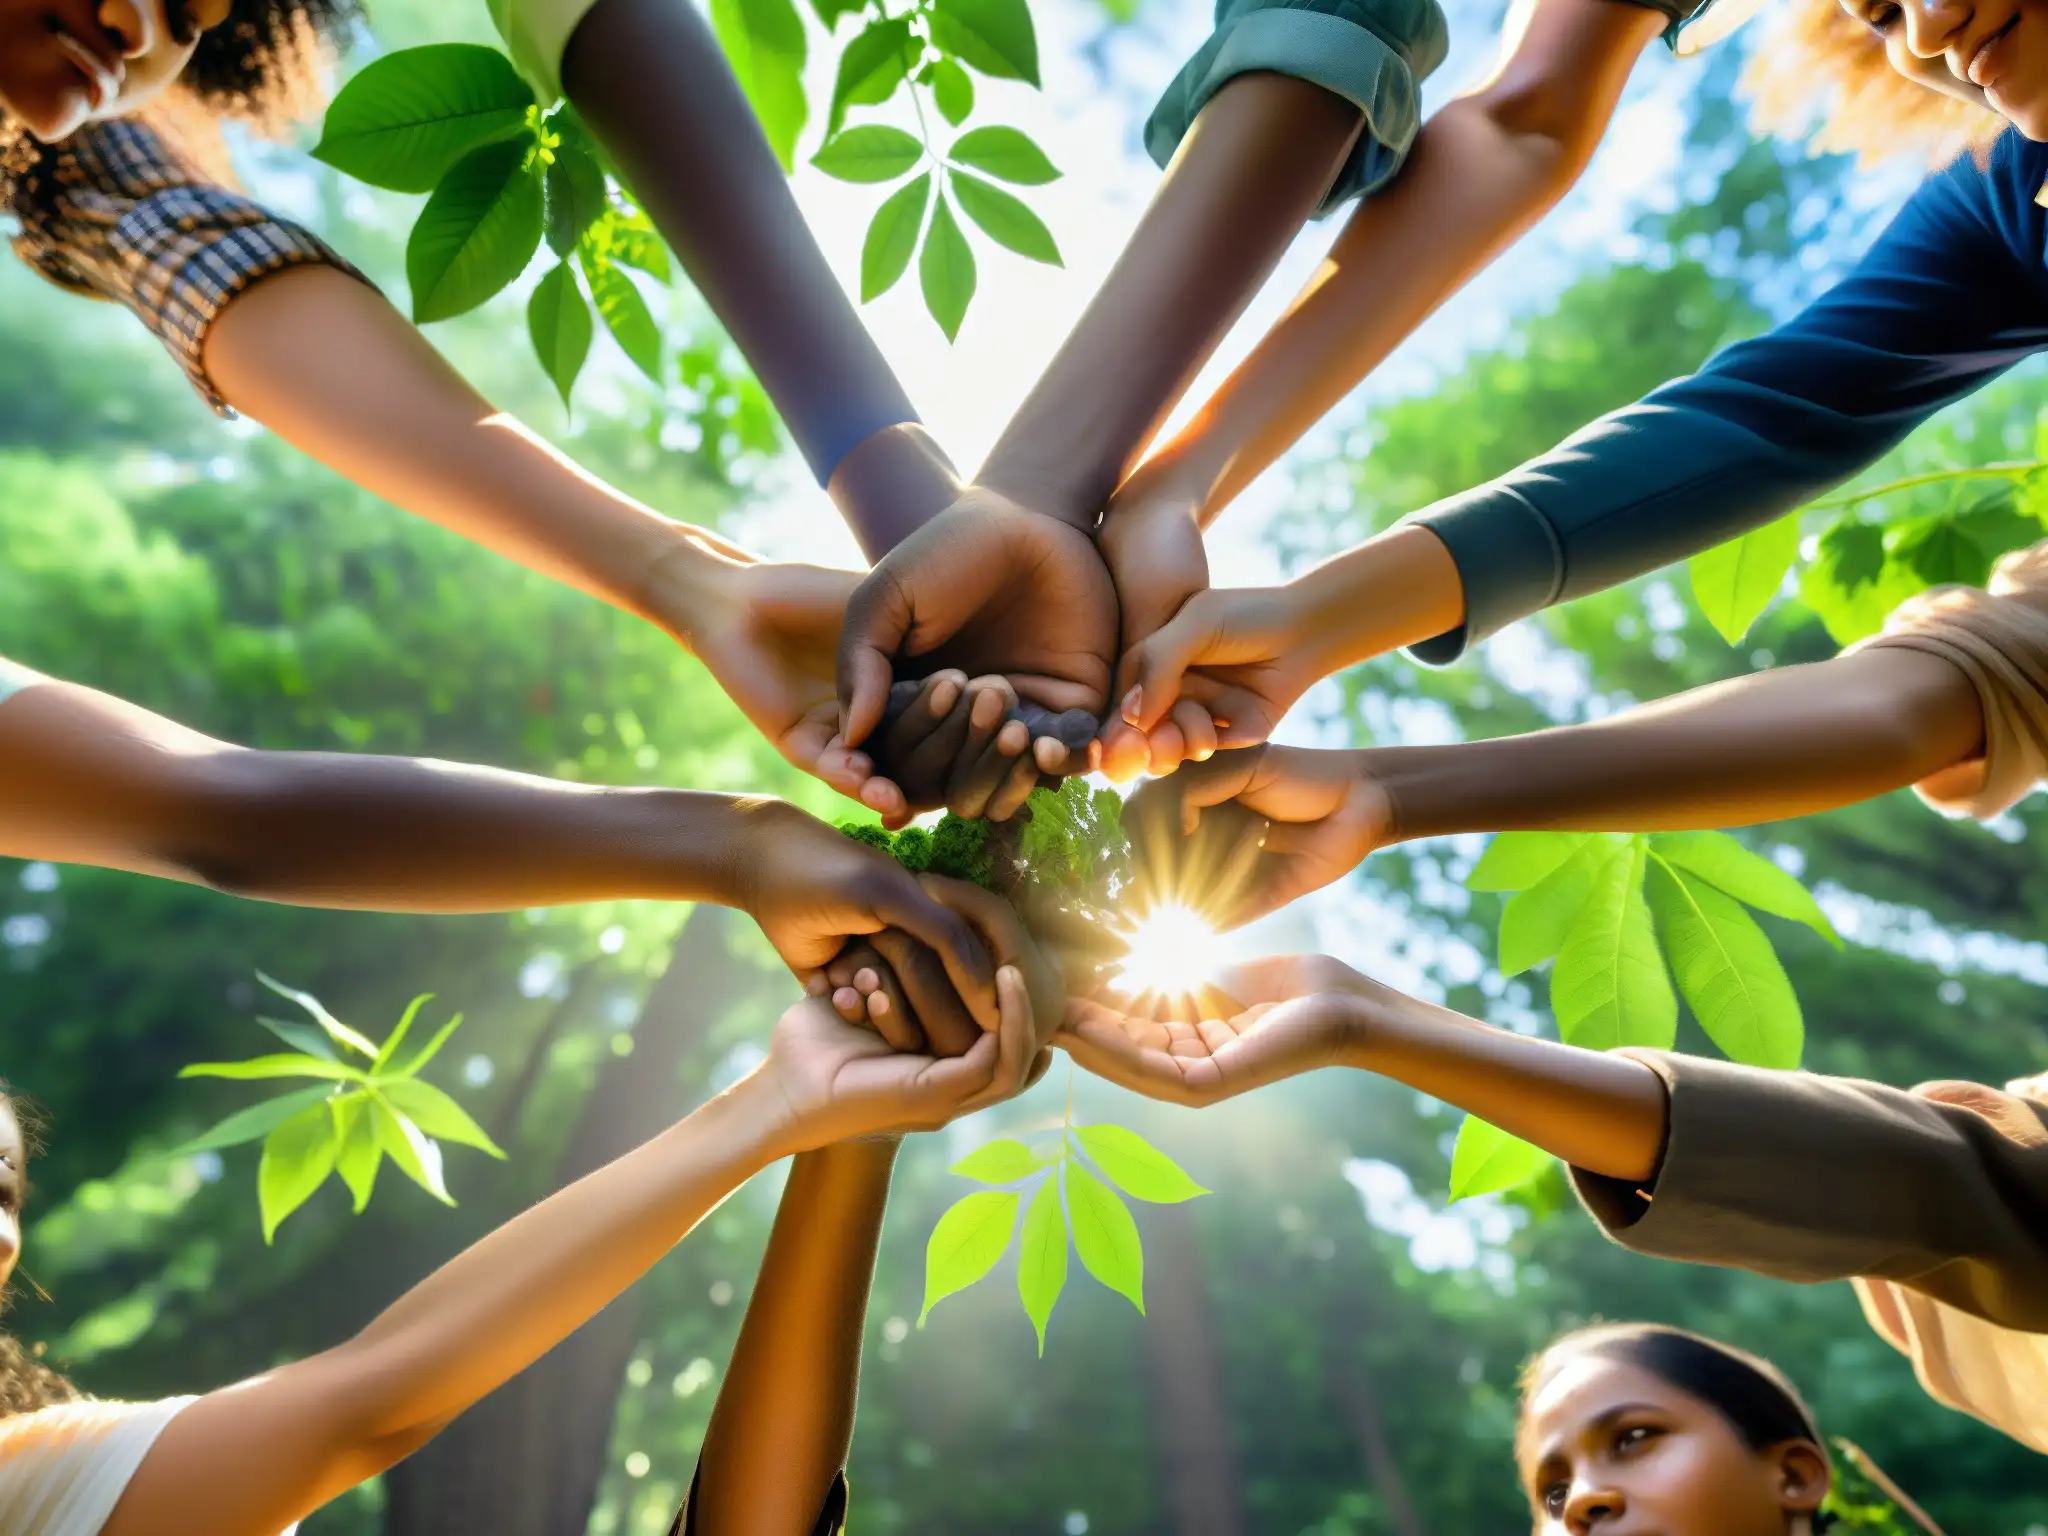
<point>1374,55</point>
<point>1510,565</point>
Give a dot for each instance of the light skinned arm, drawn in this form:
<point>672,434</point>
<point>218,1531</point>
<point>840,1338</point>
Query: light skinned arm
<point>783,1422</point>
<point>1792,741</point>
<point>253,1458</point>
<point>88,779</point>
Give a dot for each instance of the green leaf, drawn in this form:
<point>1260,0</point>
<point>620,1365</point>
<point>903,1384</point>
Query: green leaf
<point>625,313</point>
<point>945,270</point>
<point>966,1244</point>
<point>1940,551</point>
<point>1849,583</point>
<point>1004,153</point>
<point>993,36</point>
<point>399,1031</point>
<point>1042,1257</point>
<point>429,1051</point>
<point>260,1068</point>
<point>297,1157</point>
<point>360,1155</point>
<point>952,91</point>
<point>765,45</point>
<point>829,11</point>
<point>1004,219</point>
<point>417,1157</point>
<point>1734,582</point>
<point>874,64</point>
<point>892,237</point>
<point>1105,1236</point>
<point>558,321</point>
<point>631,241</point>
<point>403,120</point>
<point>1609,986</point>
<point>1749,877</point>
<point>1135,1166</point>
<point>872,152</point>
<point>335,1030</point>
<point>1000,1162</point>
<point>477,232</point>
<point>255,1122</point>
<point>1534,923</point>
<point>301,1037</point>
<point>1727,970</point>
<point>436,1114</point>
<point>1486,1158</point>
<point>1514,861</point>
<point>576,196</point>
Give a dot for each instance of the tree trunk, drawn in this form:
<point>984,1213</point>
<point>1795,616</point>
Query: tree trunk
<point>1190,1413</point>
<point>1351,1384</point>
<point>527,1459</point>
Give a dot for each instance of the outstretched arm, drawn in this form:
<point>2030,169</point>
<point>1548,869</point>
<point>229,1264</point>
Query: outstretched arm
<point>784,1419</point>
<point>251,1459</point>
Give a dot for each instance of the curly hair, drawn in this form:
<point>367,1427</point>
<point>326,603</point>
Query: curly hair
<point>265,66</point>
<point>1820,75</point>
<point>27,1384</point>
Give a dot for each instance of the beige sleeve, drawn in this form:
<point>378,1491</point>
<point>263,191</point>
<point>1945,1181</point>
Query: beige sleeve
<point>1809,1178</point>
<point>1998,637</point>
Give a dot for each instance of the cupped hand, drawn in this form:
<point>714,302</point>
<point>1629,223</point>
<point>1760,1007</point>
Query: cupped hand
<point>1237,657</point>
<point>833,1079</point>
<point>991,588</point>
<point>1258,827</point>
<point>1270,1019</point>
<point>959,742</point>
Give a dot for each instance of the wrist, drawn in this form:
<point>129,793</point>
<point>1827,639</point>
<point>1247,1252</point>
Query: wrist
<point>1038,487</point>
<point>891,484</point>
<point>688,583</point>
<point>1398,588</point>
<point>753,1119</point>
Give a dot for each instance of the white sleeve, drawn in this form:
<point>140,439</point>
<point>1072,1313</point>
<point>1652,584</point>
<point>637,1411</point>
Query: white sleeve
<point>14,677</point>
<point>63,1469</point>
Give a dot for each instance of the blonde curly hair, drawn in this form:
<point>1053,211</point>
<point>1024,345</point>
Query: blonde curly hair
<point>1820,75</point>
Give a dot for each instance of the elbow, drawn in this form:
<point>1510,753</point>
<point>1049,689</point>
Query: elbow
<point>1546,122</point>
<point>220,824</point>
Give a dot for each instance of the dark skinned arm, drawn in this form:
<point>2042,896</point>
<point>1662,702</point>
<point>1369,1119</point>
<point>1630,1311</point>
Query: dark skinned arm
<point>784,1418</point>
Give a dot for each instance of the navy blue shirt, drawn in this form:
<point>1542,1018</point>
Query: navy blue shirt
<point>1952,294</point>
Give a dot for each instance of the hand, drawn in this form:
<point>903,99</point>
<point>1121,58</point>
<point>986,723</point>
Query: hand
<point>1239,656</point>
<point>834,1080</point>
<point>1259,827</point>
<point>992,588</point>
<point>811,888</point>
<point>1151,539</point>
<point>957,741</point>
<point>1293,1014</point>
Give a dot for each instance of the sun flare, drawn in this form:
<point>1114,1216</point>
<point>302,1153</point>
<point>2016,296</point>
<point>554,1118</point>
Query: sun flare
<point>1173,951</point>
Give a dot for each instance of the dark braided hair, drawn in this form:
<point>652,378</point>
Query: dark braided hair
<point>264,66</point>
<point>1754,1396</point>
<point>27,1384</point>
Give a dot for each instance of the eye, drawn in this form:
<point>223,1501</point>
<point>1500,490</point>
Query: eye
<point>1880,18</point>
<point>1634,1438</point>
<point>1553,1499</point>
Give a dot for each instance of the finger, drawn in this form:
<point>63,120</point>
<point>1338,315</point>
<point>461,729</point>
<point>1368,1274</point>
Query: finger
<point>850,1005</point>
<point>925,990</point>
<point>910,907</point>
<point>978,767</point>
<point>1124,752</point>
<point>889,1010</point>
<point>925,737</point>
<point>991,771</point>
<point>1166,748</point>
<point>877,618</point>
<point>1197,730</point>
<point>1157,664</point>
<point>1015,788</point>
<point>1016,1037</point>
<point>1050,753</point>
<point>886,800</point>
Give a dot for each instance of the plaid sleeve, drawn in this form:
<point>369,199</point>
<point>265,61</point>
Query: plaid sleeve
<point>129,221</point>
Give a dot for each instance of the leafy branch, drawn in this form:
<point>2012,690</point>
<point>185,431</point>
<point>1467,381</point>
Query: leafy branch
<point>1064,1192</point>
<point>352,1118</point>
<point>1621,915</point>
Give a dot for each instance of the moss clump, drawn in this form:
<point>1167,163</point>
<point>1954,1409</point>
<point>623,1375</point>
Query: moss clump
<point>913,849</point>
<point>1069,842</point>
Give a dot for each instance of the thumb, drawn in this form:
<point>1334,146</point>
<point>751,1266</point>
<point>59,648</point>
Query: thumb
<point>1151,672</point>
<point>878,616</point>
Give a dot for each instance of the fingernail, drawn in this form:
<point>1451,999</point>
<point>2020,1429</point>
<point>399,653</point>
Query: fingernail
<point>1134,702</point>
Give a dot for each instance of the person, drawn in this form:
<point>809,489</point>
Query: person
<point>1943,302</point>
<point>1933,1201</point>
<point>120,184</point>
<point>253,1458</point>
<point>1639,1426</point>
<point>86,778</point>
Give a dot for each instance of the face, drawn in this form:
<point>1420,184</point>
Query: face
<point>1609,1449</point>
<point>13,1186</point>
<point>64,63</point>
<point>1990,52</point>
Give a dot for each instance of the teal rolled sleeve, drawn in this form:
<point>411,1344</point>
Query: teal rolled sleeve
<point>1373,53</point>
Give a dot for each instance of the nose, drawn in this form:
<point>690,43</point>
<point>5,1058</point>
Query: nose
<point>133,22</point>
<point>1931,25</point>
<point>1589,1508</point>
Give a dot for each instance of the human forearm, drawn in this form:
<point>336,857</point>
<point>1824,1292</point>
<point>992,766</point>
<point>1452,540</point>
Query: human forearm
<point>333,369</point>
<point>87,779</point>
<point>784,1417</point>
<point>1601,1112</point>
<point>1245,180</point>
<point>1773,745</point>
<point>1482,170</point>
